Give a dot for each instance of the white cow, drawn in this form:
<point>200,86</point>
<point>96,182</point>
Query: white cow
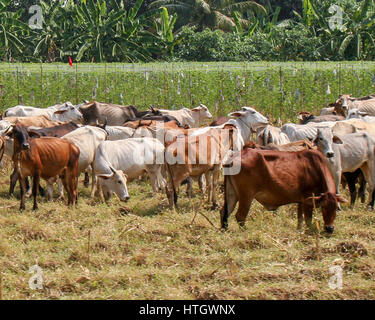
<point>270,134</point>
<point>87,139</point>
<point>132,156</point>
<point>348,153</point>
<point>296,132</point>
<point>357,114</point>
<point>60,112</point>
<point>192,118</point>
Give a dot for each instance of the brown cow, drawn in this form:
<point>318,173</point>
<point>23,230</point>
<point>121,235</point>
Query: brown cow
<point>277,178</point>
<point>45,158</point>
<point>192,156</point>
<point>36,121</point>
<point>305,117</point>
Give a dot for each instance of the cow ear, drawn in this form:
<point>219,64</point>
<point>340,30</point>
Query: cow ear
<point>33,134</point>
<point>196,109</point>
<point>60,111</point>
<point>341,199</point>
<point>337,140</point>
<point>236,114</point>
<point>362,113</point>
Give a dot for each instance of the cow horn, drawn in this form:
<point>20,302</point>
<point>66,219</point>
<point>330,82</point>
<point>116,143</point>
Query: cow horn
<point>112,169</point>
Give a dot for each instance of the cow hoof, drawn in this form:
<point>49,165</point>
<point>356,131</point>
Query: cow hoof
<point>35,208</point>
<point>370,208</point>
<point>214,206</point>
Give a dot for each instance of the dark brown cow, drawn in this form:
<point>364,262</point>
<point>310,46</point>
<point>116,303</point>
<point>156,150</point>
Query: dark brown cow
<point>112,114</point>
<point>277,178</point>
<point>45,158</point>
<point>55,131</point>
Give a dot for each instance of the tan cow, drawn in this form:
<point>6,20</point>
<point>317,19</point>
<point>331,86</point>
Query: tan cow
<point>35,121</point>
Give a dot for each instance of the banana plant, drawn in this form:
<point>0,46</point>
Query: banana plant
<point>164,26</point>
<point>12,30</point>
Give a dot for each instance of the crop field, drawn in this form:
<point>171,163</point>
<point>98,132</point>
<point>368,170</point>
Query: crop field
<point>143,250</point>
<point>279,90</point>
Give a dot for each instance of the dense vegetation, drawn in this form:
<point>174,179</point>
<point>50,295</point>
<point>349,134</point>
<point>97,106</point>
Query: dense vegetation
<point>191,30</point>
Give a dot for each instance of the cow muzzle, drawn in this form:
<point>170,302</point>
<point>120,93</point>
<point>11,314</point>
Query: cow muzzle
<point>25,146</point>
<point>329,229</point>
<point>125,199</point>
<point>330,154</point>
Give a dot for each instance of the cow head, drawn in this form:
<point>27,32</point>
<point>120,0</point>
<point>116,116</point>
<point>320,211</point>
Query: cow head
<point>203,112</point>
<point>20,136</point>
<point>114,182</point>
<point>329,203</point>
<point>69,112</point>
<point>356,114</point>
<point>324,141</point>
<point>250,117</point>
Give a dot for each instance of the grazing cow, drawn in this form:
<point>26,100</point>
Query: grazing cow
<point>194,155</point>
<point>306,117</point>
<point>110,114</point>
<point>45,158</point>
<point>271,134</point>
<point>35,121</point>
<point>347,154</point>
<point>308,131</point>
<point>87,139</point>
<point>192,118</point>
<point>276,178</point>
<point>132,157</point>
<point>347,102</point>
<point>60,112</point>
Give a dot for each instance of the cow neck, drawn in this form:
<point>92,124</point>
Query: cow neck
<point>245,130</point>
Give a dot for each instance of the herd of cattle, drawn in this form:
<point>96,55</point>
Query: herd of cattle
<point>301,163</point>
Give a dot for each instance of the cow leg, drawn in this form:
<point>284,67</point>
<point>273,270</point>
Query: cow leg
<point>351,178</point>
<point>230,201</point>
<point>86,182</point>
<point>189,188</point>
<point>337,179</point>
<point>368,172</point>
<point>362,188</point>
<point>202,183</point>
<point>29,189</point>
<point>243,209</point>
<point>308,212</point>
<point>299,216</point>
<point>50,189</point>
<point>13,180</point>
<point>215,178</point>
<point>23,193</point>
<point>36,180</point>
<point>209,185</point>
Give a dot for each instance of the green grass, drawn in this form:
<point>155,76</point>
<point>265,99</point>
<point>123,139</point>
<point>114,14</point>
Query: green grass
<point>278,89</point>
<point>143,250</point>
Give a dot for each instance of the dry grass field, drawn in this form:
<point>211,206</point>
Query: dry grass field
<point>143,250</point>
